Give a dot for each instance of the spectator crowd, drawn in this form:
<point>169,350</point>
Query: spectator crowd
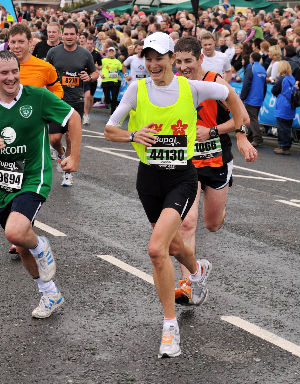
<point>274,36</point>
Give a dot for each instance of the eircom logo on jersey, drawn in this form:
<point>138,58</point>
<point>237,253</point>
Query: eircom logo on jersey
<point>9,136</point>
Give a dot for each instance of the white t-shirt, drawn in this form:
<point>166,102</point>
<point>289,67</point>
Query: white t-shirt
<point>164,96</point>
<point>230,52</point>
<point>218,63</point>
<point>272,70</point>
<point>137,67</point>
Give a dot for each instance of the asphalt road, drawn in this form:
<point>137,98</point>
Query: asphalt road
<point>110,326</point>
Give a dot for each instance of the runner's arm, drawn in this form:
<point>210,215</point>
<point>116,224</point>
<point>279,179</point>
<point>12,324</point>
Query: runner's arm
<point>203,90</point>
<point>245,147</point>
<point>113,130</point>
<point>71,163</point>
<point>228,75</point>
<point>228,126</point>
<point>234,105</point>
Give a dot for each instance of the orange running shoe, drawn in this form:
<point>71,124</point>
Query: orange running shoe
<point>194,292</point>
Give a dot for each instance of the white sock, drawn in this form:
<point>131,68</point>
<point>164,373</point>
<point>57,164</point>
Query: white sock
<point>48,288</point>
<point>171,322</point>
<point>196,276</point>
<point>38,248</point>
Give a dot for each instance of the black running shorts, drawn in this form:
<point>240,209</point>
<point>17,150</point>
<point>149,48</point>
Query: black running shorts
<point>216,178</point>
<point>160,189</point>
<point>54,127</point>
<point>26,203</point>
<point>90,86</point>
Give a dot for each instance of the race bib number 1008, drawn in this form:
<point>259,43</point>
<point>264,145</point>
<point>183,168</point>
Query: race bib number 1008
<point>169,152</point>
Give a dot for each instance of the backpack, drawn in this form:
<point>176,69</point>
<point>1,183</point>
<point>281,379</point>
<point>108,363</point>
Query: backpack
<point>295,99</point>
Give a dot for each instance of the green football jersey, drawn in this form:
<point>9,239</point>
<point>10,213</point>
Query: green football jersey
<point>25,162</point>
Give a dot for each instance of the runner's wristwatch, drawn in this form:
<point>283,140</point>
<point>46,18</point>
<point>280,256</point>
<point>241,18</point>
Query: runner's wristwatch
<point>132,136</point>
<point>242,129</point>
<point>213,132</point>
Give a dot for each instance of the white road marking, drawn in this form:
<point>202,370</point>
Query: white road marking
<point>87,130</point>
<point>128,268</point>
<point>281,178</point>
<point>288,203</point>
<point>257,177</point>
<point>266,173</point>
<point>98,137</point>
<point>263,334</point>
<point>47,228</point>
<point>109,151</point>
<point>121,150</point>
<point>237,321</point>
<point>295,201</point>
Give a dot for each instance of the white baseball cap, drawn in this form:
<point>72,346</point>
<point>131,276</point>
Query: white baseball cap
<point>160,42</point>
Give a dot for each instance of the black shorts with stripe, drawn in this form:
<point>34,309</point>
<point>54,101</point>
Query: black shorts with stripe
<point>160,189</point>
<point>26,203</point>
<point>215,177</point>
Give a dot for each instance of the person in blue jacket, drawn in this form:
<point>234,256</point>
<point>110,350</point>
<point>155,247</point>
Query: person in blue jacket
<point>284,113</point>
<point>253,93</point>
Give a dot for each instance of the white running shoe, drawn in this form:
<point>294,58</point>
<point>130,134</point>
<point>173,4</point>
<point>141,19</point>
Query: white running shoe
<point>53,153</point>
<point>45,262</point>
<point>199,292</point>
<point>170,342</point>
<point>67,180</point>
<point>194,292</point>
<point>85,120</point>
<point>47,305</point>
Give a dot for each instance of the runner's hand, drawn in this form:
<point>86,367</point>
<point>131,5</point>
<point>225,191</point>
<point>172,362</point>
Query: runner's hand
<point>2,143</point>
<point>144,136</point>
<point>128,78</point>
<point>69,164</point>
<point>84,76</point>
<point>247,150</point>
<point>202,133</point>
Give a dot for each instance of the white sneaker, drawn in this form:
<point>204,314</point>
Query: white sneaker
<point>53,153</point>
<point>199,292</point>
<point>85,120</point>
<point>45,262</point>
<point>67,180</point>
<point>47,305</point>
<point>194,292</point>
<point>170,342</point>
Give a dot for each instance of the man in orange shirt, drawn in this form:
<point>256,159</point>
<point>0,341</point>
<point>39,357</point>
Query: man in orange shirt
<point>34,71</point>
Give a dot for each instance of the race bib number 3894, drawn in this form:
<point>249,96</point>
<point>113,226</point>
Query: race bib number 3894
<point>11,175</point>
<point>169,152</point>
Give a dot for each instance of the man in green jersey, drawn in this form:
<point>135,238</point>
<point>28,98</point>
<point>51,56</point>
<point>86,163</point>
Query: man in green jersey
<point>26,171</point>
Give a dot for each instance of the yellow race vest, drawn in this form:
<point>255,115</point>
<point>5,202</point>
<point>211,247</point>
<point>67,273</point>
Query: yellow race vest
<point>170,122</point>
<point>110,68</point>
